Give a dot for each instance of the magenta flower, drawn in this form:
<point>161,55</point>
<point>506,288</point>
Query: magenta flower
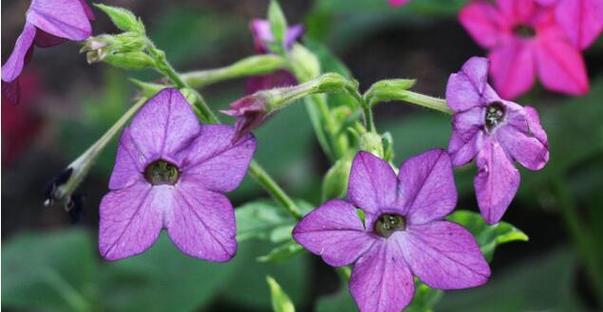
<point>402,235</point>
<point>171,172</point>
<point>262,36</point>
<point>47,23</point>
<point>525,40</point>
<point>396,3</point>
<point>495,132</point>
<point>582,20</point>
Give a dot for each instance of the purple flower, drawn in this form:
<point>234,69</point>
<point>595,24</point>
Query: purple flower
<point>171,172</point>
<point>403,233</point>
<point>262,36</point>
<point>250,111</point>
<point>47,23</point>
<point>495,132</point>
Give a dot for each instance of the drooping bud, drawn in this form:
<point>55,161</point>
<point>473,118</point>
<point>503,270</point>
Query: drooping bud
<point>251,111</point>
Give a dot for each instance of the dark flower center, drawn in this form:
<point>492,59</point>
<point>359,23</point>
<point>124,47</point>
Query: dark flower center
<point>495,112</point>
<point>387,224</point>
<point>524,31</point>
<point>161,172</point>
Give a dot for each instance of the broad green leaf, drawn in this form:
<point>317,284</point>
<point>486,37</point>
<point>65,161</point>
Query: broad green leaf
<point>51,271</point>
<point>282,252</point>
<point>164,279</point>
<point>263,220</point>
<point>280,300</point>
<point>425,298</point>
<point>488,236</point>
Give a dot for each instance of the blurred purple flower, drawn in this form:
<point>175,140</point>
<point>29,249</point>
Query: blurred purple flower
<point>396,3</point>
<point>582,20</point>
<point>402,235</point>
<point>262,36</point>
<point>47,23</point>
<point>525,40</point>
<point>171,172</point>
<point>495,132</point>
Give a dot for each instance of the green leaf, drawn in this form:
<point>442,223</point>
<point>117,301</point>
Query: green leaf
<point>122,18</point>
<point>425,298</point>
<point>488,236</point>
<point>278,26</point>
<point>282,252</point>
<point>163,278</point>
<point>280,300</point>
<point>263,220</point>
<point>50,271</point>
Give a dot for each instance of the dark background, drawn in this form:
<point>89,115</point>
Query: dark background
<point>67,104</point>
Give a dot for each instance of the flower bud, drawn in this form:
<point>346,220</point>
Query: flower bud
<point>130,60</point>
<point>122,18</point>
<point>304,63</point>
<point>335,182</point>
<point>250,111</point>
<point>372,142</point>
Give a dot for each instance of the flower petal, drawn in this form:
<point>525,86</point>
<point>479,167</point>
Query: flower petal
<point>512,68</point>
<point>131,219</point>
<point>467,128</point>
<point>11,92</point>
<point>561,66</point>
<point>427,187</point>
<point>444,255</point>
<point>165,125</point>
<point>129,163</point>
<point>215,160</point>
<point>293,34</point>
<point>62,18</point>
<point>381,281</point>
<point>335,232</point>
<point>46,40</point>
<point>483,22</point>
<point>518,140</point>
<point>396,3</point>
<point>582,20</point>
<point>18,58</point>
<point>277,79</point>
<point>497,181</point>
<point>466,88</point>
<point>516,10</point>
<point>372,184</point>
<point>202,223</point>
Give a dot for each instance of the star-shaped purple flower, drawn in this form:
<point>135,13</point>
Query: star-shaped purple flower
<point>171,172</point>
<point>262,35</point>
<point>47,23</point>
<point>403,233</point>
<point>495,132</point>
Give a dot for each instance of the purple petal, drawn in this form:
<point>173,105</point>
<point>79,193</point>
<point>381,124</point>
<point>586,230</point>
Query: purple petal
<point>497,181</point>
<point>467,128</point>
<point>582,20</point>
<point>164,126</point>
<point>427,186</point>
<point>535,125</point>
<point>215,160</point>
<point>18,58</point>
<point>202,223</point>
<point>517,10</point>
<point>131,219</point>
<point>381,281</point>
<point>517,139</point>
<point>87,10</point>
<point>372,184</point>
<point>513,68</point>
<point>280,78</point>
<point>335,232</point>
<point>444,255</point>
<point>294,33</point>
<point>262,34</point>
<point>129,163</point>
<point>467,88</point>
<point>62,18</point>
<point>46,40</point>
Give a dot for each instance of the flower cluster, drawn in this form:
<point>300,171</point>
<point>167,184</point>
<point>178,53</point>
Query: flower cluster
<point>535,38</point>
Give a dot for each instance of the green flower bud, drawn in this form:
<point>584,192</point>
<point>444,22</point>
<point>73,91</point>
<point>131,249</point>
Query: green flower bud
<point>335,182</point>
<point>372,142</point>
<point>122,18</point>
<point>304,63</point>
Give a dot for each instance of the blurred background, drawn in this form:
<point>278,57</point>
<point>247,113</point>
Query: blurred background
<point>50,264</point>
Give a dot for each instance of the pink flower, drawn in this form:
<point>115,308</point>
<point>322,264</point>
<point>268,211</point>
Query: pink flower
<point>582,20</point>
<point>47,23</point>
<point>525,40</point>
<point>396,3</point>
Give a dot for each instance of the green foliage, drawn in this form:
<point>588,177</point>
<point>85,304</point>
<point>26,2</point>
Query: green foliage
<point>488,236</point>
<point>263,220</point>
<point>278,26</point>
<point>282,252</point>
<point>280,300</point>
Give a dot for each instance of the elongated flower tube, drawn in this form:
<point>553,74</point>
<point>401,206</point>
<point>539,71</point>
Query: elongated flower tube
<point>171,173</point>
<point>402,235</point>
<point>47,23</point>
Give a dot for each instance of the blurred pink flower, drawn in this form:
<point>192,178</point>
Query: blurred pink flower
<point>582,20</point>
<point>525,40</point>
<point>396,3</point>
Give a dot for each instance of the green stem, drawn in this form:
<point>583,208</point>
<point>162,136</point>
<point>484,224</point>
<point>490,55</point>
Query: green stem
<point>413,98</point>
<point>255,170</point>
<point>579,233</point>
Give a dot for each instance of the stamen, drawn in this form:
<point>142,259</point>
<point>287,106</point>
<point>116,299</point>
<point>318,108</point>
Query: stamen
<point>387,224</point>
<point>495,112</point>
<point>162,172</point>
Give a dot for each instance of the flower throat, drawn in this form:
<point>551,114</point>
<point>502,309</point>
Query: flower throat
<point>387,224</point>
<point>161,172</point>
